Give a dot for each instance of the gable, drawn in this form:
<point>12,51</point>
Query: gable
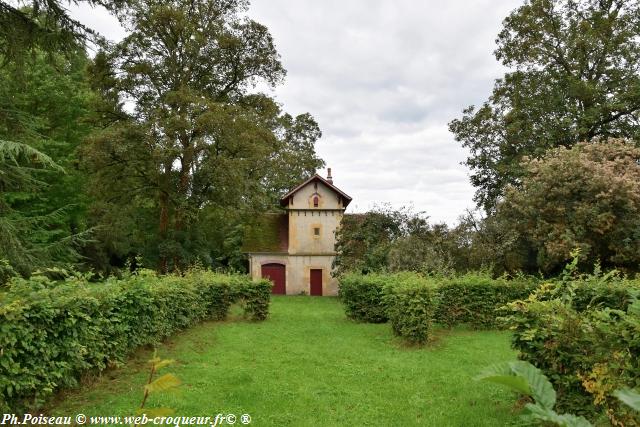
<point>318,181</point>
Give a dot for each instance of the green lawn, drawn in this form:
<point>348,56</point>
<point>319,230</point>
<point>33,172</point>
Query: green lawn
<point>309,365</point>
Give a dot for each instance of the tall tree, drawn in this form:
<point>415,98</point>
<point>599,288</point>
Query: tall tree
<point>27,26</point>
<point>21,245</point>
<point>575,78</point>
<point>586,197</point>
<point>364,241</point>
<point>196,136</point>
<point>42,122</point>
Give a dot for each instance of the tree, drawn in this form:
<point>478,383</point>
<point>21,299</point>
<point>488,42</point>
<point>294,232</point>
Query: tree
<point>586,197</point>
<point>575,78</point>
<point>490,243</point>
<point>20,248</point>
<point>42,122</point>
<point>428,251</point>
<point>197,137</point>
<point>364,241</point>
<point>44,26</point>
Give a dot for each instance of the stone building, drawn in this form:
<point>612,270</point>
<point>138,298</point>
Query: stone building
<point>295,249</point>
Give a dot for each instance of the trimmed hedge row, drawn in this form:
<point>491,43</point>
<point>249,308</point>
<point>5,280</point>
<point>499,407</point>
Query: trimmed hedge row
<point>469,299</point>
<point>408,300</point>
<point>362,296</point>
<point>411,304</point>
<point>475,299</point>
<point>50,333</point>
<point>582,332</point>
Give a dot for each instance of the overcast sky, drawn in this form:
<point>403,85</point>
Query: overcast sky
<point>383,79</point>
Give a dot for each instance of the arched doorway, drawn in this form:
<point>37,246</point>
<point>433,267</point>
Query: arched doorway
<point>276,273</point>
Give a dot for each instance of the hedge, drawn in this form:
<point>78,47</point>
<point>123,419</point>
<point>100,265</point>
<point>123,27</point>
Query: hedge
<point>408,300</point>
<point>591,293</point>
<point>475,299</point>
<point>584,343</point>
<point>362,296</point>
<point>411,303</point>
<point>50,333</point>
<point>470,299</point>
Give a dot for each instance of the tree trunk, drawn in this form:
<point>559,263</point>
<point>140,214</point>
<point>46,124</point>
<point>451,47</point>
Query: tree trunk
<point>164,216</point>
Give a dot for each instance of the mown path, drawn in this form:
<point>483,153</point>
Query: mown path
<point>308,365</point>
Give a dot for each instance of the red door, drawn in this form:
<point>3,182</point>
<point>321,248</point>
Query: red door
<point>316,282</point>
<point>275,273</point>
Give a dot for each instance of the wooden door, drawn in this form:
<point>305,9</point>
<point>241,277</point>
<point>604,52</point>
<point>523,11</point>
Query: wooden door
<point>316,282</point>
<point>275,273</point>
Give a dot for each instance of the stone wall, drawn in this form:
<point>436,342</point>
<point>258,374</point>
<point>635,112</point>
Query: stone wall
<point>298,271</point>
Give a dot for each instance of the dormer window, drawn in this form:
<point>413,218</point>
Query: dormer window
<point>316,201</point>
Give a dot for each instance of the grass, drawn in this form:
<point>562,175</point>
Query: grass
<point>308,365</point>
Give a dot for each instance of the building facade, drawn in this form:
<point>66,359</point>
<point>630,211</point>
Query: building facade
<point>295,249</point>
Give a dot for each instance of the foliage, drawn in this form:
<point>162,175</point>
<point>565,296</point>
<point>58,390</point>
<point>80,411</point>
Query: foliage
<point>53,332</point>
<point>155,385</point>
<point>408,300</point>
<point>6,271</point>
<point>362,296</point>
<point>573,77</point>
<point>490,243</point>
<point>474,299</point>
<point>28,242</point>
<point>386,239</point>
<point>428,249</point>
<point>586,197</point>
<point>389,239</point>
<point>630,397</point>
<point>43,120</point>
<point>586,350</point>
<point>363,241</point>
<point>198,137</point>
<point>526,379</point>
<point>45,26</point>
<point>411,302</point>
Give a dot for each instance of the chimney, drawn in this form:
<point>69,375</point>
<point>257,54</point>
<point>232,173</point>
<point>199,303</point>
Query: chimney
<point>329,177</point>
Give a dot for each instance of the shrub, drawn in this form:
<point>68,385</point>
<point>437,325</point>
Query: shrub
<point>528,380</point>
<point>362,296</point>
<point>411,303</point>
<point>255,297</point>
<point>606,292</point>
<point>474,299</point>
<point>49,334</point>
<point>588,353</point>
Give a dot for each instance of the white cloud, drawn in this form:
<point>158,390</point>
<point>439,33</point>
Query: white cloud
<point>383,79</point>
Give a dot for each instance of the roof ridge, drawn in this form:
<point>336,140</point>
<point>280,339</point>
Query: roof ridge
<point>324,181</point>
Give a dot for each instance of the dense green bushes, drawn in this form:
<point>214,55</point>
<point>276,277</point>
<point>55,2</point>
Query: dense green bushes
<point>474,299</point>
<point>407,299</point>
<point>411,303</point>
<point>52,332</point>
<point>362,296</point>
<point>584,335</point>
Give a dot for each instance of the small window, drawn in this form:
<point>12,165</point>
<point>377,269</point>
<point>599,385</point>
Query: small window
<point>316,231</point>
<point>316,201</point>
